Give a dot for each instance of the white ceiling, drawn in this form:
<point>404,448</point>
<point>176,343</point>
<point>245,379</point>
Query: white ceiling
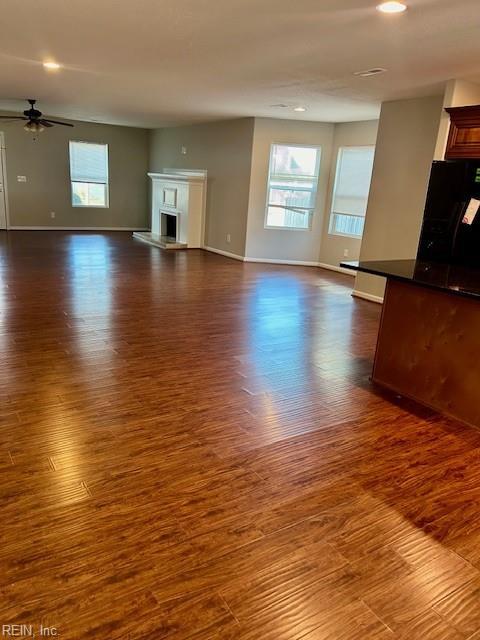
<point>161,62</point>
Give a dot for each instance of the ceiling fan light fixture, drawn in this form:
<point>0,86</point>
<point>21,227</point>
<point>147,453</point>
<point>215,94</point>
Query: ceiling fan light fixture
<point>34,127</point>
<point>35,121</point>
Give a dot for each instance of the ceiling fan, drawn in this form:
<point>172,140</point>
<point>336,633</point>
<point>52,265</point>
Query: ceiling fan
<point>35,123</point>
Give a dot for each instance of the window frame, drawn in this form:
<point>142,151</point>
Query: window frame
<point>310,211</point>
<point>105,184</point>
<point>331,231</point>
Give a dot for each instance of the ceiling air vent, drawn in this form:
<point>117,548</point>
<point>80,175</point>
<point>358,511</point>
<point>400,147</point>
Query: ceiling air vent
<point>370,72</point>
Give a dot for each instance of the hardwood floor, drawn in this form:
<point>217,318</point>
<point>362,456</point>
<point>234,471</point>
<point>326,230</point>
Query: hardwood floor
<point>190,447</point>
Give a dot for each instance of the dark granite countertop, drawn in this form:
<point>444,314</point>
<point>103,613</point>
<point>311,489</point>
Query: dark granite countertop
<point>453,278</point>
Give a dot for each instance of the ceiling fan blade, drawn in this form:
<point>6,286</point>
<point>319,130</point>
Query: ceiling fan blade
<point>65,124</point>
<point>13,118</point>
<point>45,123</point>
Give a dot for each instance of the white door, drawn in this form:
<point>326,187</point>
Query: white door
<point>3,171</point>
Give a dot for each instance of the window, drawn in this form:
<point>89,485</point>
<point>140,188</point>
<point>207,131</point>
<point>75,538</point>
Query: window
<point>89,174</point>
<point>350,191</point>
<point>292,186</point>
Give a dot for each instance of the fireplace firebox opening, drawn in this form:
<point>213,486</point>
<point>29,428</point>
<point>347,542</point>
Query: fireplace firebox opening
<point>169,226</point>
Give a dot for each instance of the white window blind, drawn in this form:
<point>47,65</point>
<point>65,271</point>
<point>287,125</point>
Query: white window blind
<point>292,186</point>
<point>89,174</point>
<point>350,192</point>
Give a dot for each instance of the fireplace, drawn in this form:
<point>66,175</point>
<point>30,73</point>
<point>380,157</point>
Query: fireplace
<point>168,224</point>
<point>178,209</point>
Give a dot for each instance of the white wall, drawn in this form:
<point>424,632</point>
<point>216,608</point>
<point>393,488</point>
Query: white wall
<point>346,134</point>
<point>275,244</point>
<point>406,141</point>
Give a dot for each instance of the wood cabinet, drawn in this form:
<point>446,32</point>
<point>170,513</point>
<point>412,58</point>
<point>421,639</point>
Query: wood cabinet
<point>426,351</point>
<point>464,136</point>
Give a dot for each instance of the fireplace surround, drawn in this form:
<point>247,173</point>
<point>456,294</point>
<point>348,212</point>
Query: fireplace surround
<point>178,209</point>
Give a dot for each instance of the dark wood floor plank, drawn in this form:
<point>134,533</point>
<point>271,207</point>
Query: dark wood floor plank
<point>191,448</point>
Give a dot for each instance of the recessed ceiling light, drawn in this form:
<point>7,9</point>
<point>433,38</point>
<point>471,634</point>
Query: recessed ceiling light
<point>51,66</point>
<point>392,7</point>
<point>299,109</point>
<point>369,72</point>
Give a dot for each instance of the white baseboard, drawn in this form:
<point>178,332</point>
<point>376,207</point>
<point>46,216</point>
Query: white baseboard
<point>332,267</point>
<point>17,228</point>
<point>227,254</point>
<point>303,263</point>
<point>298,263</point>
<point>367,296</point>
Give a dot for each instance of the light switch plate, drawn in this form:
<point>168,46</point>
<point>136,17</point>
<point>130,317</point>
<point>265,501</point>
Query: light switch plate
<point>21,178</point>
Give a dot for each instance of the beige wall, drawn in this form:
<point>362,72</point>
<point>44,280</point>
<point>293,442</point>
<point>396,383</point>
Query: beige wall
<point>236,155</point>
<point>45,163</point>
<point>406,140</point>
<point>346,134</point>
<point>301,246</point>
<point>224,149</point>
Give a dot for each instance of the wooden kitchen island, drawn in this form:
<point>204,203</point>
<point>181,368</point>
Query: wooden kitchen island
<point>428,346</point>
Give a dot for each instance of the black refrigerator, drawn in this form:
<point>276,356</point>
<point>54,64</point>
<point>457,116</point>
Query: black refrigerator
<point>451,221</point>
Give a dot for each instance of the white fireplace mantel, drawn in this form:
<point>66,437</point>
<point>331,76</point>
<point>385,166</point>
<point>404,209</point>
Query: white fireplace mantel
<point>179,175</point>
<point>181,194</point>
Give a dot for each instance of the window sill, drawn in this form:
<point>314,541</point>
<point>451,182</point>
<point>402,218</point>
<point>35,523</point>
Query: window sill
<point>344,235</point>
<point>270,227</point>
<point>90,206</point>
